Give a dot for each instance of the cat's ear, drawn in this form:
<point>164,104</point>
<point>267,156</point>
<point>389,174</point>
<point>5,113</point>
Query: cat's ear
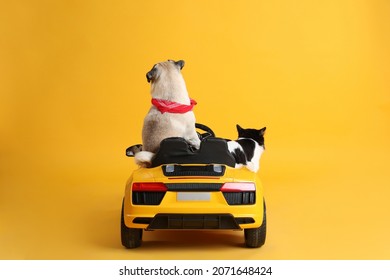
<point>239,128</point>
<point>262,131</point>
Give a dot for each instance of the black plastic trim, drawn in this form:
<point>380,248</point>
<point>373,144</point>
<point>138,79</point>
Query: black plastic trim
<point>245,220</point>
<point>139,220</point>
<point>240,198</point>
<point>193,221</point>
<point>194,170</point>
<point>147,198</point>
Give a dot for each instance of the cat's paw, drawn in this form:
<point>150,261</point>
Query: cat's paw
<point>252,167</point>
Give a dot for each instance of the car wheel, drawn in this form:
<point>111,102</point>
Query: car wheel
<point>255,237</point>
<point>131,237</point>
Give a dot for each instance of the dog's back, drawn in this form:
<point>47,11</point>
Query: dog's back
<point>167,87</point>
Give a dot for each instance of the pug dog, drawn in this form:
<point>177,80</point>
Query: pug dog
<point>171,113</point>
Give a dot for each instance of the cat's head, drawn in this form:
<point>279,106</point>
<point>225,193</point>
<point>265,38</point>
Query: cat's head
<point>255,134</point>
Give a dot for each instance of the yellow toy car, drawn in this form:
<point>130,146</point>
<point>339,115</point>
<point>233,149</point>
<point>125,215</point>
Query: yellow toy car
<point>193,190</point>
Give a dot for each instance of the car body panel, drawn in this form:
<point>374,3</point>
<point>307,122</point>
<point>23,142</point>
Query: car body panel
<point>189,202</point>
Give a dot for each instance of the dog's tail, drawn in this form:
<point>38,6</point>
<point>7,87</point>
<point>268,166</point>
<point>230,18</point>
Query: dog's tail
<point>144,158</point>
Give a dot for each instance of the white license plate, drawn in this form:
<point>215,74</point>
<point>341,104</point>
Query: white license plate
<point>193,196</point>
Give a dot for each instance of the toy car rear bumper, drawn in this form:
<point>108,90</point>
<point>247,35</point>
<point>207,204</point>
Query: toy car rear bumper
<point>192,221</point>
<point>196,215</point>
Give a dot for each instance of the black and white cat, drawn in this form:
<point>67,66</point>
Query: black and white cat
<point>248,148</point>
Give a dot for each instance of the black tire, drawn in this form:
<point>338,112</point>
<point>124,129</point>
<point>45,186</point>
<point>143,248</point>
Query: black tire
<point>255,237</point>
<point>131,237</point>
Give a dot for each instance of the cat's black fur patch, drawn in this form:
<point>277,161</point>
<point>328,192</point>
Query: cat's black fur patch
<point>239,156</point>
<point>248,145</point>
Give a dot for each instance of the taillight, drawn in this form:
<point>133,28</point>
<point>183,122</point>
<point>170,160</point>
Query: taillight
<point>149,187</point>
<point>148,193</point>
<point>239,193</point>
<point>238,187</point>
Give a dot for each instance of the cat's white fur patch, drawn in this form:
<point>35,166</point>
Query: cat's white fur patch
<point>232,145</point>
<point>254,164</point>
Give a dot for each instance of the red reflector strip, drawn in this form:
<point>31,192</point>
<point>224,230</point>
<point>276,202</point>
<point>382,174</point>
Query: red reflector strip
<point>238,187</point>
<point>149,187</point>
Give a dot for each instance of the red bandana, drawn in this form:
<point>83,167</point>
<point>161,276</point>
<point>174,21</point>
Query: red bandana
<point>172,107</point>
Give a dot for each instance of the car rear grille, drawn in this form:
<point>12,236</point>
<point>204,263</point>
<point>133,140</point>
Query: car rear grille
<point>194,170</point>
<point>147,198</point>
<point>147,221</point>
<point>240,198</point>
<point>193,221</point>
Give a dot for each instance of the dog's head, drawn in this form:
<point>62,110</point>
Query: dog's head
<point>160,69</point>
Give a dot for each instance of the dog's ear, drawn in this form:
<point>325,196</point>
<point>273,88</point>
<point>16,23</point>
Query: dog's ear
<point>151,74</point>
<point>180,64</point>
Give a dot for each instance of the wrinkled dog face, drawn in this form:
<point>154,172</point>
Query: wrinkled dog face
<point>161,68</point>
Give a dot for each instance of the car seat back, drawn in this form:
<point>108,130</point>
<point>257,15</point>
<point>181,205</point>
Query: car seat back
<point>176,150</point>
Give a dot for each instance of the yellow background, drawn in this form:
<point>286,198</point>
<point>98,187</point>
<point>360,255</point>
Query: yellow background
<point>73,95</point>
